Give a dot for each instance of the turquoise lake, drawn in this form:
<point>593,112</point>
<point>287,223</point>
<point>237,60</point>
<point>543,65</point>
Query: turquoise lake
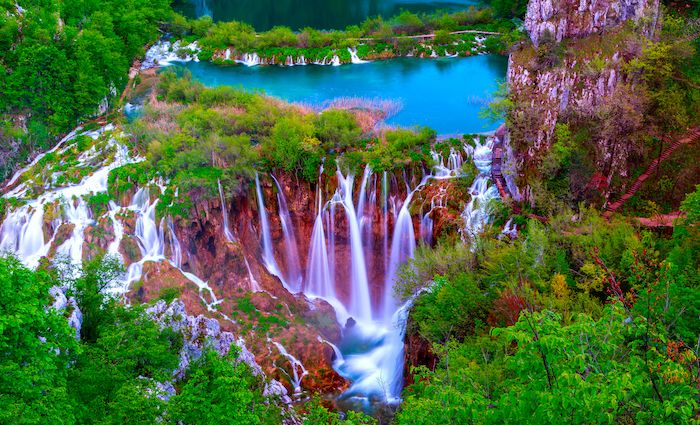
<point>445,94</point>
<point>320,14</point>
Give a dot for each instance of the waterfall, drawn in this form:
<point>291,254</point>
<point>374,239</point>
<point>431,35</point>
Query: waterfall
<point>201,8</point>
<point>353,56</point>
<point>335,61</point>
<point>294,276</point>
<point>476,214</point>
<point>426,228</point>
<point>22,231</point>
<point>403,244</point>
<point>176,250</point>
<point>385,220</point>
<point>268,255</point>
<point>249,59</point>
<point>319,281</point>
<point>360,305</point>
<point>224,211</point>
<point>296,377</point>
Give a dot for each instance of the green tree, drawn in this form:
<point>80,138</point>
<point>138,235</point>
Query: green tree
<point>222,390</point>
<point>36,346</point>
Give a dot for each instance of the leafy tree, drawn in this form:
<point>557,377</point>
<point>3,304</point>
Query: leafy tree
<point>222,390</point>
<point>36,346</point>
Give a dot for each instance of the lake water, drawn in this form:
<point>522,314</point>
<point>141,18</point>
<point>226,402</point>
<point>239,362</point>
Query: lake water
<point>320,14</point>
<point>444,94</point>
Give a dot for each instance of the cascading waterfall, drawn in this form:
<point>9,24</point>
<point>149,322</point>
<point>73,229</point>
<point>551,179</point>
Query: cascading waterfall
<point>22,232</point>
<point>268,255</point>
<point>360,304</point>
<point>318,278</point>
<point>227,230</point>
<point>476,214</point>
<point>294,276</point>
<point>371,353</point>
<point>297,368</point>
<point>353,56</point>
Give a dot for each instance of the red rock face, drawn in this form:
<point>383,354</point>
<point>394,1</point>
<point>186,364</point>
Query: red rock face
<point>300,325</point>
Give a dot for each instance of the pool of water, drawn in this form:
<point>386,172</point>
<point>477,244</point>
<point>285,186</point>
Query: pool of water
<point>320,14</point>
<point>444,94</point>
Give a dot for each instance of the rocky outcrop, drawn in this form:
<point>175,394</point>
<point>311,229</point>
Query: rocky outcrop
<point>582,80</point>
<point>68,307</point>
<point>576,19</point>
<point>574,85</point>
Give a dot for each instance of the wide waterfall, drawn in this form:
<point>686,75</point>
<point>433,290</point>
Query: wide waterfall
<point>371,352</point>
<point>361,238</point>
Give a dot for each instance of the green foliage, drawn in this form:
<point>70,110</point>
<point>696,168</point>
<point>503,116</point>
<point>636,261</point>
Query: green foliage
<point>36,346</point>
<point>169,293</point>
<point>381,36</point>
<point>222,390</point>
<point>317,414</point>
<point>112,374</point>
<point>451,309</point>
<point>589,372</point>
<point>98,203</point>
<point>61,59</point>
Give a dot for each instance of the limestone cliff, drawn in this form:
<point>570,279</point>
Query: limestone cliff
<point>576,19</point>
<point>573,69</point>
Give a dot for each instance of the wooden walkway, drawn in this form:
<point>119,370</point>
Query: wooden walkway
<point>692,135</point>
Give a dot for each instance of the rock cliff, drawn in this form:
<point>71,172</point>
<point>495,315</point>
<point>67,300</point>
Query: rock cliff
<point>576,19</point>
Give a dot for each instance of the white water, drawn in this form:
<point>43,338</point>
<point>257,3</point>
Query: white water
<point>293,277</point>
<point>227,229</point>
<point>268,255</point>
<point>249,59</point>
<point>297,368</point>
<point>376,371</point>
<point>353,56</point>
<point>360,303</point>
<point>164,53</point>
<point>476,213</point>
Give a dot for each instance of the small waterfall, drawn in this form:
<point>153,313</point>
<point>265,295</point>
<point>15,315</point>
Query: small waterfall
<point>335,61</point>
<point>353,56</point>
<point>298,369</point>
<point>294,276</point>
<point>268,255</point>
<point>301,61</point>
<point>385,220</point>
<point>254,285</point>
<point>452,169</point>
<point>176,250</point>
<point>118,227</point>
<point>76,213</point>
<point>224,211</point>
<point>426,228</point>
<point>249,59</point>
<point>476,214</point>
<point>227,55</point>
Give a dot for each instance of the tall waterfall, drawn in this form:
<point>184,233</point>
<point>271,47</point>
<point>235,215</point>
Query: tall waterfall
<point>293,276</point>
<point>268,255</point>
<point>360,305</point>
<point>227,229</point>
<point>318,277</point>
